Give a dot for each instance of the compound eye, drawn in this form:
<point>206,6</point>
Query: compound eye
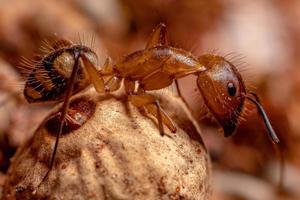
<point>231,89</point>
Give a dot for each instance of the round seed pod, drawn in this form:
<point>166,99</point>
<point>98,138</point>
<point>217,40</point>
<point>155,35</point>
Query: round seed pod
<point>111,150</point>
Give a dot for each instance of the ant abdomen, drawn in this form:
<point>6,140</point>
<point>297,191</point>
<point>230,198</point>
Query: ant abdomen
<point>223,91</point>
<point>49,77</point>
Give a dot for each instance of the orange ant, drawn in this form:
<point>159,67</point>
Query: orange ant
<point>70,68</point>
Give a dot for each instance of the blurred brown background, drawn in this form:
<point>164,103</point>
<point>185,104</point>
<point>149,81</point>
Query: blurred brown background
<point>260,36</point>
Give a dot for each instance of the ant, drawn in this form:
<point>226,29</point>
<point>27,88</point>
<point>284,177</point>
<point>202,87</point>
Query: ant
<point>70,68</point>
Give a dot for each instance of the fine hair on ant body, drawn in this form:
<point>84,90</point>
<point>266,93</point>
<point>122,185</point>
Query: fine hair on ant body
<point>70,68</point>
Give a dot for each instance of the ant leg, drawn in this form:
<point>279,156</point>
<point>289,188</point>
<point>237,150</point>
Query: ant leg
<point>94,75</point>
<point>152,105</point>
<point>113,83</point>
<point>180,94</point>
<point>158,37</point>
<point>178,89</point>
<point>129,86</point>
<point>159,118</point>
<point>64,112</point>
<point>107,68</point>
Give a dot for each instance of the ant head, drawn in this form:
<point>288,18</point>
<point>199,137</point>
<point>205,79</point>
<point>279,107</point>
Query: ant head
<point>223,91</point>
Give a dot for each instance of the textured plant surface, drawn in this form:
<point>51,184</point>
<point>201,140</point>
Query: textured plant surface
<point>117,153</point>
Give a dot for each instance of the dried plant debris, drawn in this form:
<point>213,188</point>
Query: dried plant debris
<point>111,150</point>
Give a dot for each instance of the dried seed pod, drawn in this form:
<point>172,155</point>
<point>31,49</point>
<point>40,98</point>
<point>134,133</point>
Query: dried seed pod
<point>110,150</point>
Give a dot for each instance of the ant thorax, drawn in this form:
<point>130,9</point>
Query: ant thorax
<point>49,77</point>
<point>157,67</point>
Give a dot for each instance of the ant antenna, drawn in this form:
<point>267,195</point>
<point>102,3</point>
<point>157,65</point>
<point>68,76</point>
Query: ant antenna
<point>272,135</point>
<point>264,116</point>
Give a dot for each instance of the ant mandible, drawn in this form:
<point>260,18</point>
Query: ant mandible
<point>70,68</point>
